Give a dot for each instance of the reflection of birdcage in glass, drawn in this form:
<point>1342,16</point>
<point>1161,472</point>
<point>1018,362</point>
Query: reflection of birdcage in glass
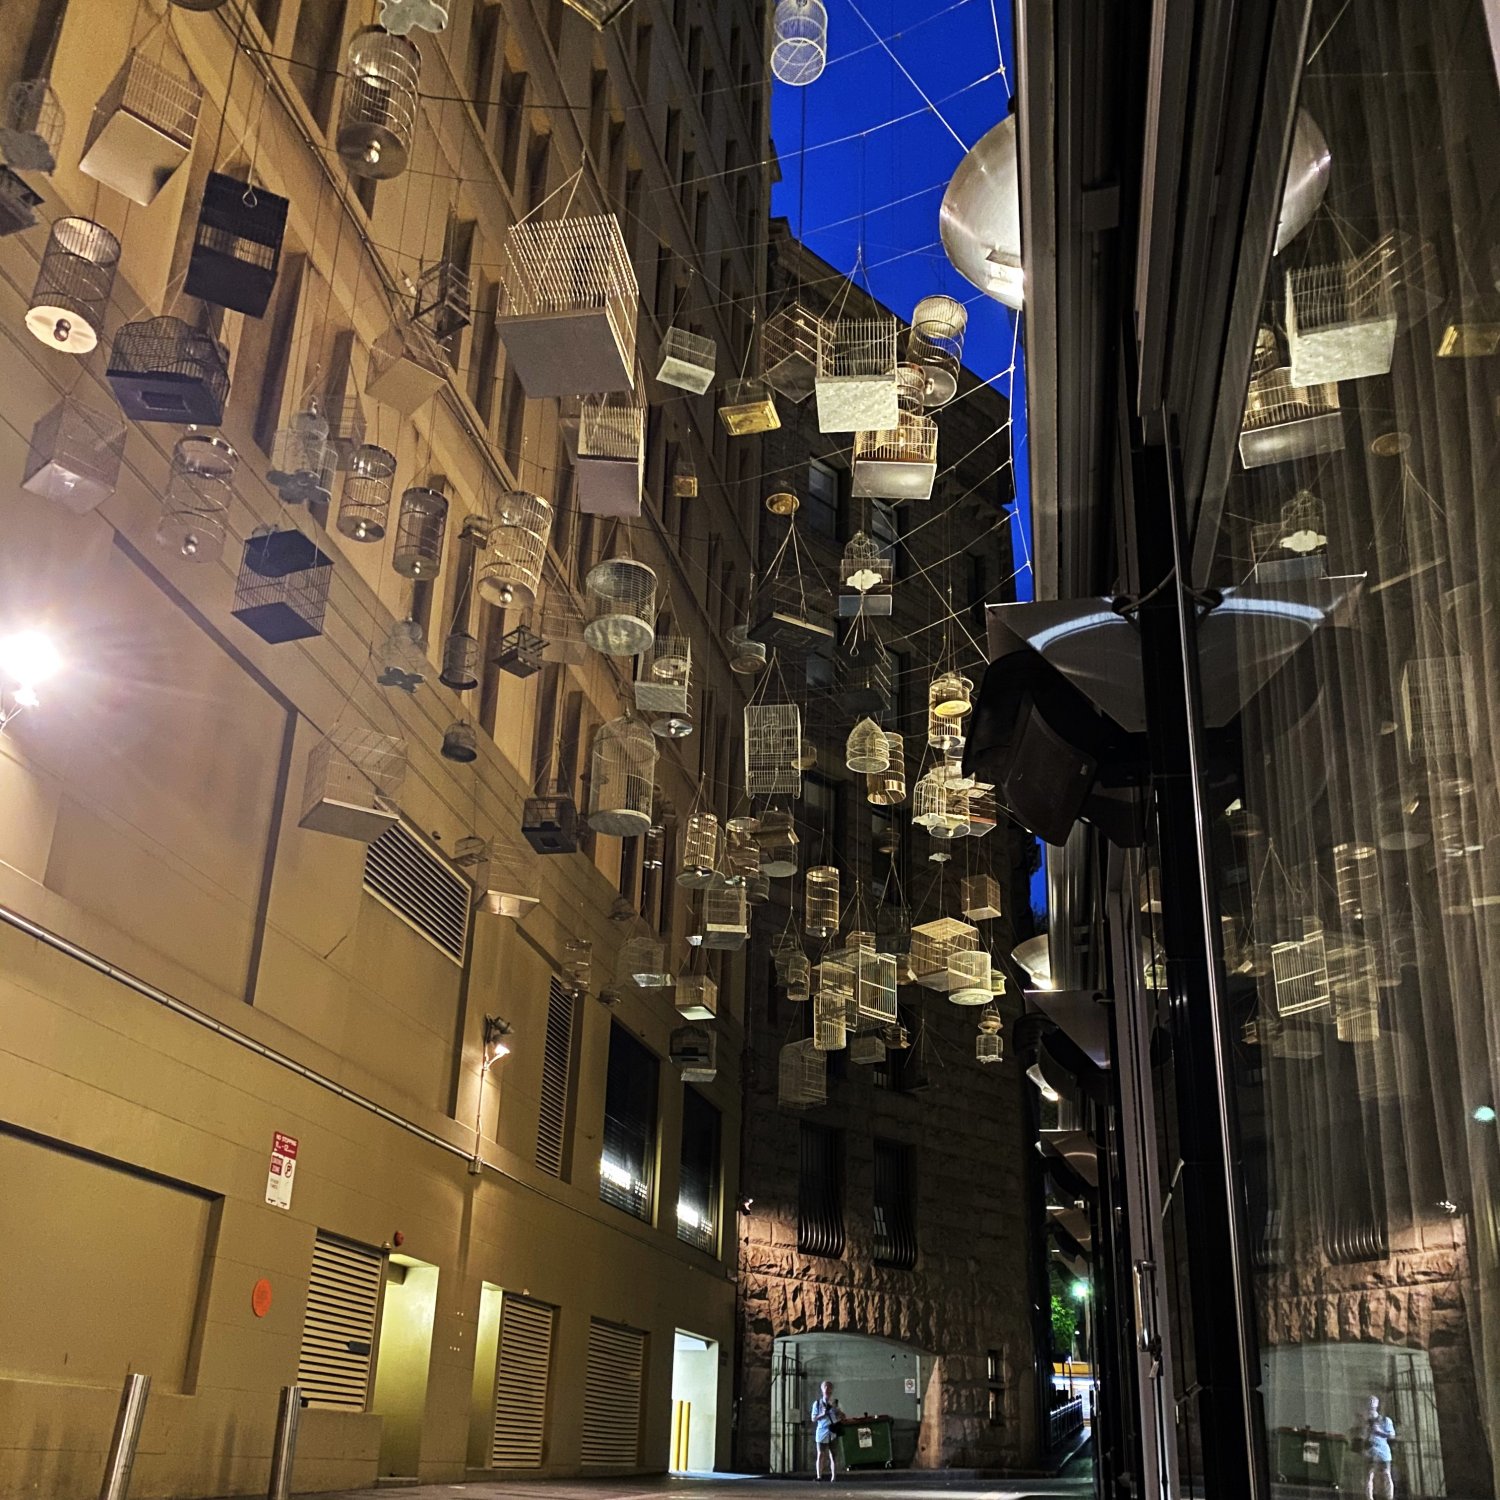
<point>791,346</point>
<point>442,301</point>
<point>33,130</point>
<point>866,750</point>
<point>406,368</point>
<point>571,304</point>
<point>820,912</point>
<point>685,477</point>
<point>726,915</point>
<point>887,788</point>
<point>694,1049</point>
<point>578,963</point>
<point>75,456</point>
<point>865,674</point>
<point>969,977</point>
<point>799,41</point>
<point>237,245</point>
<point>663,679</point>
<point>142,129</point>
<point>773,737</point>
<point>354,777</point>
<point>746,657</point>
<point>801,1076</point>
<point>282,589</point>
<point>195,510</point>
<point>980,897</point>
<point>1354,991</point>
<point>611,455</point>
<point>162,370</point>
<point>1435,695</point>
<point>697,997</point>
<point>517,551</point>
<point>643,963</point>
<point>989,1045</point>
<point>702,851</point>
<point>621,596</point>
<point>856,383</point>
<point>421,526</point>
<point>875,985</point>
<point>1299,972</point>
<point>936,343</point>
<point>934,943</point>
<point>302,460</point>
<point>378,115</point>
<point>778,845</point>
<point>623,771</point>
<point>984,813</point>
<point>687,360</point>
<point>867,1048</point>
<point>748,407</point>
<point>1341,319</point>
<point>366,501</point>
<point>73,285</point>
<point>1284,421</point>
<point>1299,531</point>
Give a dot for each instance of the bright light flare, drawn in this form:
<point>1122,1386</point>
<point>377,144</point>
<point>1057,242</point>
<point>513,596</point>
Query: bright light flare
<point>27,659</point>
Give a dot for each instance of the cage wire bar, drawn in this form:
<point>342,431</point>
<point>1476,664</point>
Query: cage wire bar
<point>936,344</point>
<point>195,510</point>
<point>74,456</point>
<point>142,129</point>
<point>365,505</point>
<point>801,1076</point>
<point>702,851</point>
<point>354,776</point>
<point>686,360</point>
<point>856,382</point>
<point>511,571</point>
<point>773,740</point>
<point>611,462</point>
<point>622,778</point>
<point>378,113</point>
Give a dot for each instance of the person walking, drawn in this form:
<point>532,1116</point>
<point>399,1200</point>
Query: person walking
<point>1376,1434</point>
<point>828,1420</point>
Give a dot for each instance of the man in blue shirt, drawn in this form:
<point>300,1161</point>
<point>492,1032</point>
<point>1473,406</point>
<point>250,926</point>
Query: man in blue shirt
<point>1377,1431</point>
<point>827,1417</point>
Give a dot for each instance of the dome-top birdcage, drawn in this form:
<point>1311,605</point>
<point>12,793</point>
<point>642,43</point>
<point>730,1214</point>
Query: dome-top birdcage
<point>623,772</point>
<point>365,504</point>
<point>866,749</point>
<point>867,564</point>
<point>195,511</point>
<point>379,114</point>
<point>403,657</point>
<point>32,134</point>
<point>799,43</point>
<point>702,850</point>
<point>887,788</point>
<point>936,344</point>
<point>73,285</point>
<point>821,902</point>
<point>622,607</point>
<point>512,566</point>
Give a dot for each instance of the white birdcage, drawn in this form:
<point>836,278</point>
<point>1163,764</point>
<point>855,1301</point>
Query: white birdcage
<point>75,455</point>
<point>622,777</point>
<point>821,902</point>
<point>511,569</point>
<point>867,564</point>
<point>621,596</point>
<point>742,849</point>
<point>195,509</point>
<point>73,285</point>
<point>495,893</point>
<point>896,463</point>
<point>969,977</point>
<point>1435,696</point>
<point>936,343</point>
<point>866,751</point>
<point>571,304</point>
<point>746,657</point>
<point>801,1076</point>
<point>578,962</point>
<point>887,788</point>
<point>378,114</point>
<point>142,129</point>
<point>1341,319</point>
<point>697,997</point>
<point>799,41</point>
<point>856,385</point>
<point>726,915</point>
<point>939,807</point>
<point>989,1045</point>
<point>354,777</point>
<point>702,850</point>
<point>875,985</point>
<point>663,676</point>
<point>773,738</point>
<point>1299,972</point>
<point>980,897</point>
<point>687,360</point>
<point>778,845</point>
<point>748,407</point>
<point>791,346</point>
<point>365,505</point>
<point>303,461</point>
<point>32,134</point>
<point>611,462</point>
<point>643,963</point>
<point>694,1049</point>
<point>934,943</point>
<point>421,527</point>
<point>406,368</point>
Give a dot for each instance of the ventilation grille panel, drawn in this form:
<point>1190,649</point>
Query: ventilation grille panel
<point>338,1333</point>
<point>612,1395</point>
<point>421,888</point>
<point>522,1376</point>
<point>557,1067</point>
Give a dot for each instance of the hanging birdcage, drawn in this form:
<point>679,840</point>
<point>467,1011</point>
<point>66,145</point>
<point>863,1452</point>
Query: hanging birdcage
<point>549,823</point>
<point>493,892</point>
<point>1283,421</point>
<point>773,737</point>
<point>346,419</point>
<point>366,501</point>
<point>950,696</point>
<point>282,589</point>
<point>378,115</point>
<point>460,661</point>
<point>984,814</point>
<point>865,674</point>
<point>623,770</point>
<point>460,742</point>
<point>820,911</point>
<point>989,1045</point>
<point>406,368</point>
<point>142,129</point>
<point>403,657</point>
<point>856,385</point>
<point>571,303</point>
<point>611,455</point>
<point>195,509</point>
<point>421,526</point>
<point>866,750</point>
<point>702,851</point>
<point>643,963</point>
<point>663,678</point>
<point>73,285</point>
<point>896,463</point>
<point>933,807</point>
<point>980,897</point>
<point>748,408</point>
<point>697,997</point>
<point>778,844</point>
<point>33,130</point>
<point>622,607</point>
<point>512,570</point>
<point>799,41</point>
<point>694,1050</point>
<point>1341,319</point>
<point>684,477</point>
<point>936,344</point>
<point>796,977</point>
<point>746,657</point>
<point>969,977</point>
<point>867,566</point>
<point>791,346</point>
<point>1354,991</point>
<point>875,985</point>
<point>1299,972</point>
<point>791,615</point>
<point>801,1076</point>
<point>1434,703</point>
<point>354,777</point>
<point>742,853</point>
<point>726,915</point>
<point>578,963</point>
<point>687,361</point>
<point>18,204</point>
<point>162,370</point>
<point>237,245</point>
<point>598,13</point>
<point>75,455</point>
<point>893,932</point>
<point>442,301</point>
<point>520,652</point>
<point>934,943</point>
<point>887,788</point>
<point>867,1049</point>
<point>830,1032</point>
<point>302,462</point>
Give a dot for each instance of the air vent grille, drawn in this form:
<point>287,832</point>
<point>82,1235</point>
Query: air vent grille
<point>421,888</point>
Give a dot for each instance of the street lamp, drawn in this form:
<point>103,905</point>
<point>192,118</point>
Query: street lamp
<point>495,1047</point>
<point>27,659</point>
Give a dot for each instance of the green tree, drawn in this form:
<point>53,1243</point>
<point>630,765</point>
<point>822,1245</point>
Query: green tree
<point>1064,1325</point>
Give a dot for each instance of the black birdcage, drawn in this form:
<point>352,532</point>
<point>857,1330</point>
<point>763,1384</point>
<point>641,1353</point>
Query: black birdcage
<point>237,246</point>
<point>442,303</point>
<point>520,652</point>
<point>162,370</point>
<point>282,589</point>
<point>793,615</point>
<point>550,824</point>
<point>18,204</point>
<point>865,677</point>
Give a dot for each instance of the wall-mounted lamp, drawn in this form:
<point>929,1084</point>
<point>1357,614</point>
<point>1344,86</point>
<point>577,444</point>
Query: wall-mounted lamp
<point>27,659</point>
<point>496,1046</point>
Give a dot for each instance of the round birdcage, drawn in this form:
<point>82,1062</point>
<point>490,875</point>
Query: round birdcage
<point>758,888</point>
<point>302,461</point>
<point>937,345</point>
<point>778,845</point>
<point>518,550</point>
<point>969,977</point>
<point>460,662</point>
<point>33,131</point>
<point>403,657</point>
<point>989,1047</point>
<point>421,525</point>
<point>950,696</point>
<point>911,388</point>
<point>379,112</point>
<point>366,502</point>
<point>73,285</point>
<point>741,854</point>
<point>622,607</point>
<point>195,512</point>
<point>820,911</point>
<point>866,749</point>
<point>887,788</point>
<point>702,849</point>
<point>799,44</point>
<point>623,769</point>
<point>460,743</point>
<point>796,975</point>
<point>989,1020</point>
<point>746,657</point>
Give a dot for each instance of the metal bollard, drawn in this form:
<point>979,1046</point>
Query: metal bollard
<point>284,1449</point>
<point>121,1459</point>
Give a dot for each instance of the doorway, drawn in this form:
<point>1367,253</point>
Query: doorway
<point>402,1357</point>
<point>695,1403</point>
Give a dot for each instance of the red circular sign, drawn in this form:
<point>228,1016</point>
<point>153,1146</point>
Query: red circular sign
<point>260,1298</point>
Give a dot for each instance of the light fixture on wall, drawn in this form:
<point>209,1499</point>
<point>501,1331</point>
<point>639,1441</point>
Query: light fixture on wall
<point>496,1046</point>
<point>28,658</point>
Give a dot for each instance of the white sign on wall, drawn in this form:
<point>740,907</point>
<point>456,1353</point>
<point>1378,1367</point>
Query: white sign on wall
<point>282,1170</point>
<point>911,1385</point>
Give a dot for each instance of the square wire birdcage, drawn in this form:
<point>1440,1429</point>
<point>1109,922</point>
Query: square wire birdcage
<point>282,589</point>
<point>441,301</point>
<point>748,407</point>
<point>237,245</point>
<point>32,133</point>
<point>354,777</point>
<point>142,129</point>
<point>1341,319</point>
<point>163,370</point>
<point>1299,972</point>
<point>611,463</point>
<point>792,615</point>
<point>75,456</point>
<point>406,368</point>
<point>686,361</point>
<point>694,1050</point>
<point>897,463</point>
<point>520,652</point>
<point>663,679</point>
<point>980,897</point>
<point>18,204</point>
<point>867,1048</point>
<point>643,963</point>
<point>857,387</point>
<point>697,997</point>
<point>933,944</point>
<point>571,303</point>
<point>773,741</point>
<point>549,823</point>
<point>726,915</point>
<point>791,348</point>
<point>801,1076</point>
<point>1435,696</point>
<point>1284,422</point>
<point>875,977</point>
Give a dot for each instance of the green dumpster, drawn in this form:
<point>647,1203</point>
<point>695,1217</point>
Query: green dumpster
<point>866,1443</point>
<point>1307,1457</point>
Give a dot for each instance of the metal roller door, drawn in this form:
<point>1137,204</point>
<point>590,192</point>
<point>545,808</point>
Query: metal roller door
<point>338,1334</point>
<point>522,1371</point>
<point>612,1395</point>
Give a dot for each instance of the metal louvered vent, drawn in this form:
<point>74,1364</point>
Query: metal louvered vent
<point>522,1373</point>
<point>612,1395</point>
<point>557,1071</point>
<point>338,1333</point>
<point>422,888</point>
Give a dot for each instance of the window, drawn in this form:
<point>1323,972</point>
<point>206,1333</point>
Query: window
<point>698,1183</point>
<point>643,61</point>
<point>820,1193</point>
<point>538,161</point>
<point>512,420</point>
<point>484,352</point>
<point>627,1167</point>
<point>820,507</point>
<point>482,55</point>
<point>895,1218</point>
<point>315,54</point>
<point>555,1097</point>
<point>512,117</point>
<point>995,1382</point>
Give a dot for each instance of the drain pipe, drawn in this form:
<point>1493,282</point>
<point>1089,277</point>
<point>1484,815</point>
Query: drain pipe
<point>122,1446</point>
